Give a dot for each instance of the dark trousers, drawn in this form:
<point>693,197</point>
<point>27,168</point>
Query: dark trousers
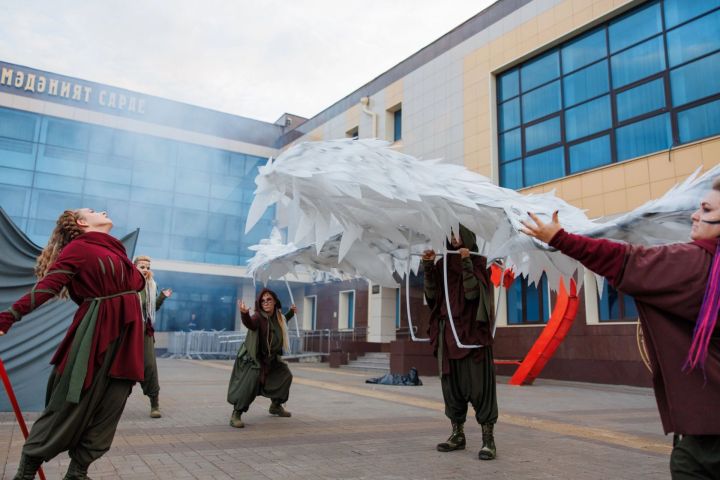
<point>86,429</point>
<point>471,381</point>
<point>151,384</point>
<point>696,457</point>
<point>245,383</point>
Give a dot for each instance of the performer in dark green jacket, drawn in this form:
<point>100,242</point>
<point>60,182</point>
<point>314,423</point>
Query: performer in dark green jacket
<point>467,374</point>
<point>151,301</point>
<point>259,368</point>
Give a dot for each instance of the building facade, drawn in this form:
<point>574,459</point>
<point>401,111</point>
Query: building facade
<point>607,102</point>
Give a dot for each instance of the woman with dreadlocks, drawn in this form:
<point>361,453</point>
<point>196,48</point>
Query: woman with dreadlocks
<point>101,356</point>
<point>151,301</point>
<point>676,289</point>
<point>259,368</point>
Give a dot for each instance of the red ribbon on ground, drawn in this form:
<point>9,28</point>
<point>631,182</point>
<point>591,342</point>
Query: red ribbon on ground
<point>15,406</point>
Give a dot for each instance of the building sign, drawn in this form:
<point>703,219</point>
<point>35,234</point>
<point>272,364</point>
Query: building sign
<point>51,87</point>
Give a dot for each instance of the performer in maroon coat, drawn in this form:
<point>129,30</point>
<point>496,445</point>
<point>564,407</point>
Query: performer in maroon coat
<point>101,355</point>
<point>677,292</point>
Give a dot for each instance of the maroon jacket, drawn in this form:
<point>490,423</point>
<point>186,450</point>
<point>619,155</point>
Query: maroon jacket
<point>668,285</point>
<point>94,265</point>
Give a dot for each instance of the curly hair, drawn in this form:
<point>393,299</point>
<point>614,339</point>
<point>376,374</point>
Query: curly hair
<point>66,229</point>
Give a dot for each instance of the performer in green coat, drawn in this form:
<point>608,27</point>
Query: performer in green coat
<point>259,368</point>
<point>151,301</point>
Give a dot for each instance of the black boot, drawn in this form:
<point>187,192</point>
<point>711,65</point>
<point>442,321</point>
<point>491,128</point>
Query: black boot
<point>488,450</point>
<point>28,467</point>
<point>76,471</point>
<point>456,441</point>
<point>155,407</point>
<point>236,419</point>
<point>277,409</point>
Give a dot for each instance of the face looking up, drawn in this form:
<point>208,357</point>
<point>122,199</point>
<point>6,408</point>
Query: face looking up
<point>706,219</point>
<point>94,221</point>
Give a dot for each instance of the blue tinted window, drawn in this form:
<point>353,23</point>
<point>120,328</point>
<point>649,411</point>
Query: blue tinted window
<point>679,11</point>
<point>543,101</point>
<point>695,80</point>
<point>646,136</point>
<point>614,305</point>
<point>545,166</point>
<point>511,174</point>
<point>641,99</point>
<point>17,153</point>
<point>583,51</point>
<point>590,154</point>
<point>543,133</point>
<point>107,190</point>
<point>508,85</point>
<point>694,39</point>
<point>536,299</point>
<point>588,118</point>
<point>509,115</point>
<point>397,125</point>
<point>540,71</point>
<point>586,83</point>
<point>13,176</point>
<point>699,122</point>
<point>635,27</point>
<point>67,134</point>
<point>18,125</point>
<point>510,145</point>
<point>14,200</point>
<point>514,303</point>
<point>101,140</point>
<point>638,62</point>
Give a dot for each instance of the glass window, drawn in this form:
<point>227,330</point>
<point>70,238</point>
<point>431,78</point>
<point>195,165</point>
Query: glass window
<point>644,137</point>
<point>679,11</point>
<point>545,166</point>
<point>153,150</point>
<point>67,134</point>
<point>150,195</point>
<point>116,174</point>
<point>511,175</point>
<point>542,134</point>
<point>638,62</point>
<point>237,164</point>
<point>47,205</point>
<point>107,189</point>
<point>539,71</point>
<point>13,176</point>
<point>514,303</point>
<point>18,125</point>
<point>590,154</point>
<point>101,140</point>
<point>509,115</point>
<point>17,153</point>
<point>543,101</point>
<point>631,29</point>
<point>616,306</point>
<point>147,176</point>
<point>588,118</point>
<point>584,51</point>
<point>640,100</point>
<point>695,80</point>
<point>586,83</point>
<point>194,202</point>
<point>694,39</point>
<point>528,303</point>
<point>510,145</point>
<point>508,85</point>
<point>699,122</point>
<point>14,199</point>
<point>397,125</point>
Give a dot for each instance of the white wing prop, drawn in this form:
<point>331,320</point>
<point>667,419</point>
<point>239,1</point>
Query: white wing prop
<point>361,193</point>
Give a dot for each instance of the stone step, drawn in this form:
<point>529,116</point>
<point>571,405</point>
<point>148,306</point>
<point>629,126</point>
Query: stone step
<point>368,367</point>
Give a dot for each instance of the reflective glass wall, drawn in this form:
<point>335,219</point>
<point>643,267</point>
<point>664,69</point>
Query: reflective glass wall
<point>643,82</point>
<point>190,202</point>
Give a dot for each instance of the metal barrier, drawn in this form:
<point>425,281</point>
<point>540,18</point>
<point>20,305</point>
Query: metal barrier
<point>201,344</point>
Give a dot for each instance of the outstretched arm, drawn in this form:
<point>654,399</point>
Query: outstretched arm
<point>603,257</point>
<point>59,274</point>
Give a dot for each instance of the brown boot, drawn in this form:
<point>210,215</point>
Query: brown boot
<point>76,471</point>
<point>236,420</point>
<point>277,409</point>
<point>456,441</point>
<point>28,467</point>
<point>488,450</point>
<point>155,407</point>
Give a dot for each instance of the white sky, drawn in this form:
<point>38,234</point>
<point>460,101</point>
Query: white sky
<point>255,58</point>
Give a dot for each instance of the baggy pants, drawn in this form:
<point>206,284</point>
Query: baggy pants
<point>696,457</point>
<point>151,384</point>
<point>245,383</point>
<point>471,381</point>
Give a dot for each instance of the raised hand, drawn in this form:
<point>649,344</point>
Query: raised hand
<point>167,292</point>
<point>464,252</point>
<point>293,307</point>
<point>428,255</point>
<point>242,307</point>
<point>542,231</point>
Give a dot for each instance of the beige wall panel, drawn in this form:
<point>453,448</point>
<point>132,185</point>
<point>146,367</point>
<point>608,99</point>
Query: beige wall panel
<point>613,178</point>
<point>592,184</point>
<point>594,205</point>
<point>660,167</point>
<point>711,152</point>
<point>638,195</point>
<point>615,202</point>
<point>660,188</point>
<point>636,172</point>
<point>686,160</point>
<point>572,188</point>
